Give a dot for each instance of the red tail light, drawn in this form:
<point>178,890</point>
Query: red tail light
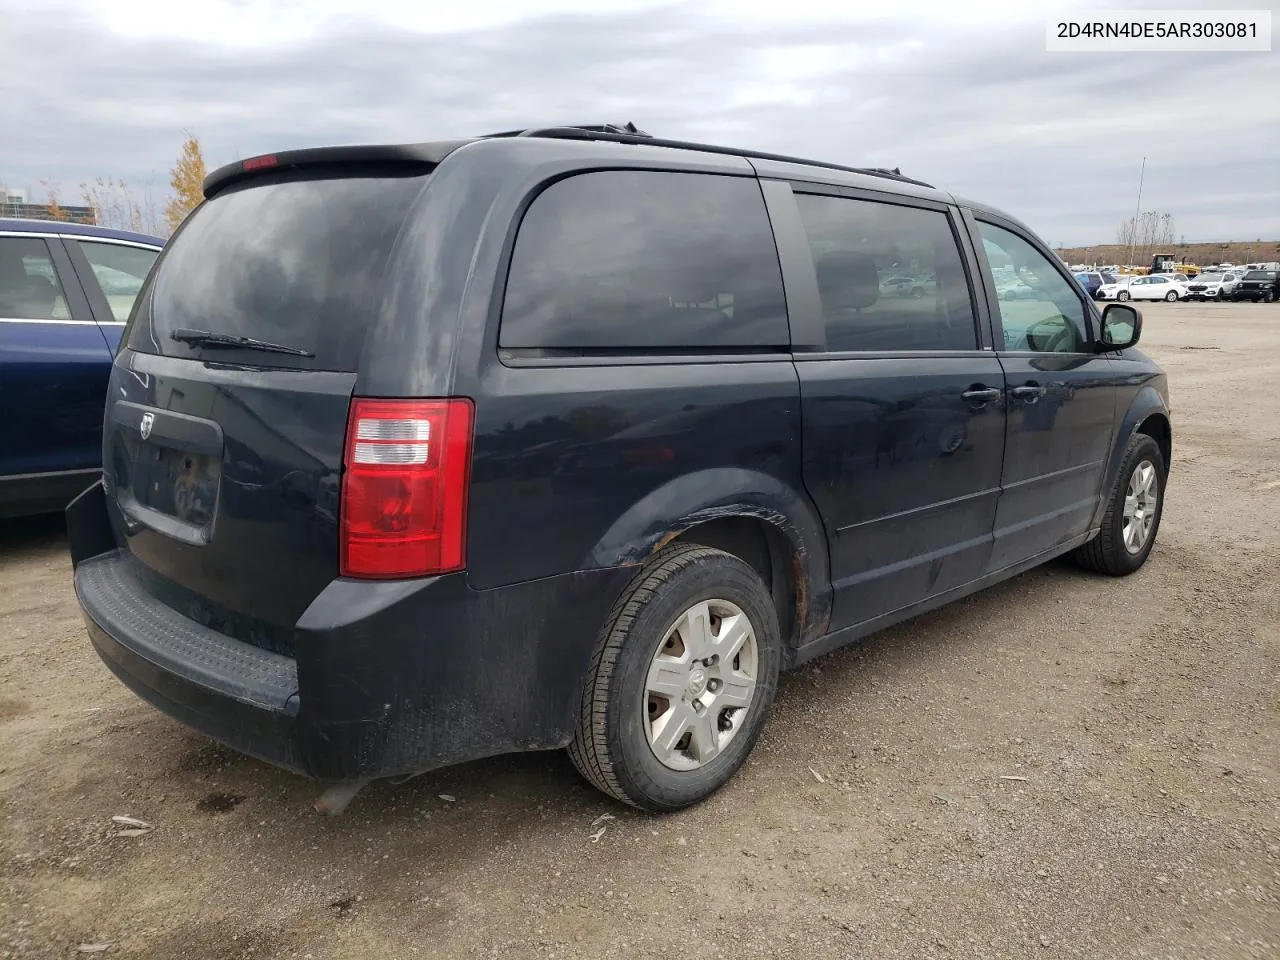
<point>404,488</point>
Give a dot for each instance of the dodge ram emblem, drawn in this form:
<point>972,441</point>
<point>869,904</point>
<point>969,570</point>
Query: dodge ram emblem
<point>144,428</point>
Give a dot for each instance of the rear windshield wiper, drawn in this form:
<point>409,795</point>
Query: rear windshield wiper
<point>206,338</point>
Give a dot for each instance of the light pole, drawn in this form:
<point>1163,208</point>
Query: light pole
<point>1137,213</point>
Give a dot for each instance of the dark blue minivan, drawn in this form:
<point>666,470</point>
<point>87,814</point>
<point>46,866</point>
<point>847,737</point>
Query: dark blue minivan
<point>66,290</point>
<point>576,437</point>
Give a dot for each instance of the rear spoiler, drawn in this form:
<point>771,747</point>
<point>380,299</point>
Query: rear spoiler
<point>413,155</point>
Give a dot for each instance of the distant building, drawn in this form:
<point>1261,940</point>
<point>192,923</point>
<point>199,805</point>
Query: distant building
<point>15,203</point>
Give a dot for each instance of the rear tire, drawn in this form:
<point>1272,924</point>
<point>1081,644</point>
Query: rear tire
<point>1133,514</point>
<point>621,742</point>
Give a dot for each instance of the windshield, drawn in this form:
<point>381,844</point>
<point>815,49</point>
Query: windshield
<point>1209,278</point>
<point>1260,275</point>
<point>298,262</point>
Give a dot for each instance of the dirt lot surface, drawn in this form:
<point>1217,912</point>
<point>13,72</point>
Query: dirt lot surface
<point>1062,766</point>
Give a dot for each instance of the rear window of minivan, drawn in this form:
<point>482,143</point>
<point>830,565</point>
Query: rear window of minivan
<point>297,261</point>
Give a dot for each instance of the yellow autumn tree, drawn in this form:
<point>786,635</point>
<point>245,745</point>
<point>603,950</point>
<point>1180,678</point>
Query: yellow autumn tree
<point>53,209</point>
<point>187,180</point>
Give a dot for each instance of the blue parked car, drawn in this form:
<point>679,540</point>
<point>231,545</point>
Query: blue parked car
<point>66,290</point>
<point>1091,281</point>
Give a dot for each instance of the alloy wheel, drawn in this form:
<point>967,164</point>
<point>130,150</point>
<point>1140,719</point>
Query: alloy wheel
<point>1141,502</point>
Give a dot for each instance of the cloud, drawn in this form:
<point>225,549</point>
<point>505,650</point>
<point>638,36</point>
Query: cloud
<point>972,103</point>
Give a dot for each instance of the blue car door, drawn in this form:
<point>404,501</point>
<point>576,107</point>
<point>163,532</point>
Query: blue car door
<point>54,364</point>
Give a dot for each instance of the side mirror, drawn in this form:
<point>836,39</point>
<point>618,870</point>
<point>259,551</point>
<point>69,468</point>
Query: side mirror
<point>1121,327</point>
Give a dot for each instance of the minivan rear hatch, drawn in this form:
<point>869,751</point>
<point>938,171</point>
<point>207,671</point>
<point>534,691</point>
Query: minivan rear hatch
<point>224,433</point>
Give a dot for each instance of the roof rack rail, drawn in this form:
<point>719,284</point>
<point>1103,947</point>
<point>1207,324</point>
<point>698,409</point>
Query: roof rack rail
<point>628,133</point>
<point>574,131</point>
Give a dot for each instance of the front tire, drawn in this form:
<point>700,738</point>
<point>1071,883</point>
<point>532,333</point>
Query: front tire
<point>1171,296</point>
<point>681,681</point>
<point>1133,514</point>
<point>1123,295</point>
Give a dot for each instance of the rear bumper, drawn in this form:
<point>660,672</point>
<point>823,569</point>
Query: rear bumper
<point>235,693</point>
<point>389,678</point>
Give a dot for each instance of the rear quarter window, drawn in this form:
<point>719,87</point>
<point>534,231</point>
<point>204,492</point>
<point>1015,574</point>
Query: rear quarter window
<point>645,260</point>
<point>296,261</point>
<point>120,271</point>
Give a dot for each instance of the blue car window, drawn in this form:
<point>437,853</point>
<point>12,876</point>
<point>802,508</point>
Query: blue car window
<point>120,271</point>
<point>29,285</point>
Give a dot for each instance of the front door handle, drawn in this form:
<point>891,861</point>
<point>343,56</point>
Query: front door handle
<point>980,394</point>
<point>1030,393</point>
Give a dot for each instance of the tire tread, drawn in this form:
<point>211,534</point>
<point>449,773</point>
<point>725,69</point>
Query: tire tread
<point>1100,554</point>
<point>589,749</point>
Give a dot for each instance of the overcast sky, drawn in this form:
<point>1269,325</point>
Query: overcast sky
<point>961,94</point>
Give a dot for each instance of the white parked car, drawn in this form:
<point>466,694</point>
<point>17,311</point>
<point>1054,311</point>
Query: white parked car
<point>1013,290</point>
<point>1158,286</point>
<point>1210,286</point>
<point>1226,280</point>
<point>1111,291</point>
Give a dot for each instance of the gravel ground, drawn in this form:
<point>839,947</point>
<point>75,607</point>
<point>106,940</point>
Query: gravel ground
<point>1061,766</point>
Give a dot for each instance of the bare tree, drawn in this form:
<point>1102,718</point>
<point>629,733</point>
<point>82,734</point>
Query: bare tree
<point>119,205</point>
<point>1151,232</point>
<point>1127,233</point>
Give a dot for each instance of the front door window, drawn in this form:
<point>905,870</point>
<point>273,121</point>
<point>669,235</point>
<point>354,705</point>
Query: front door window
<point>1040,310</point>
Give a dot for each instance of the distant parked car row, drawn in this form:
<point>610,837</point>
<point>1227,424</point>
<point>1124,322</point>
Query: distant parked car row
<point>1260,285</point>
